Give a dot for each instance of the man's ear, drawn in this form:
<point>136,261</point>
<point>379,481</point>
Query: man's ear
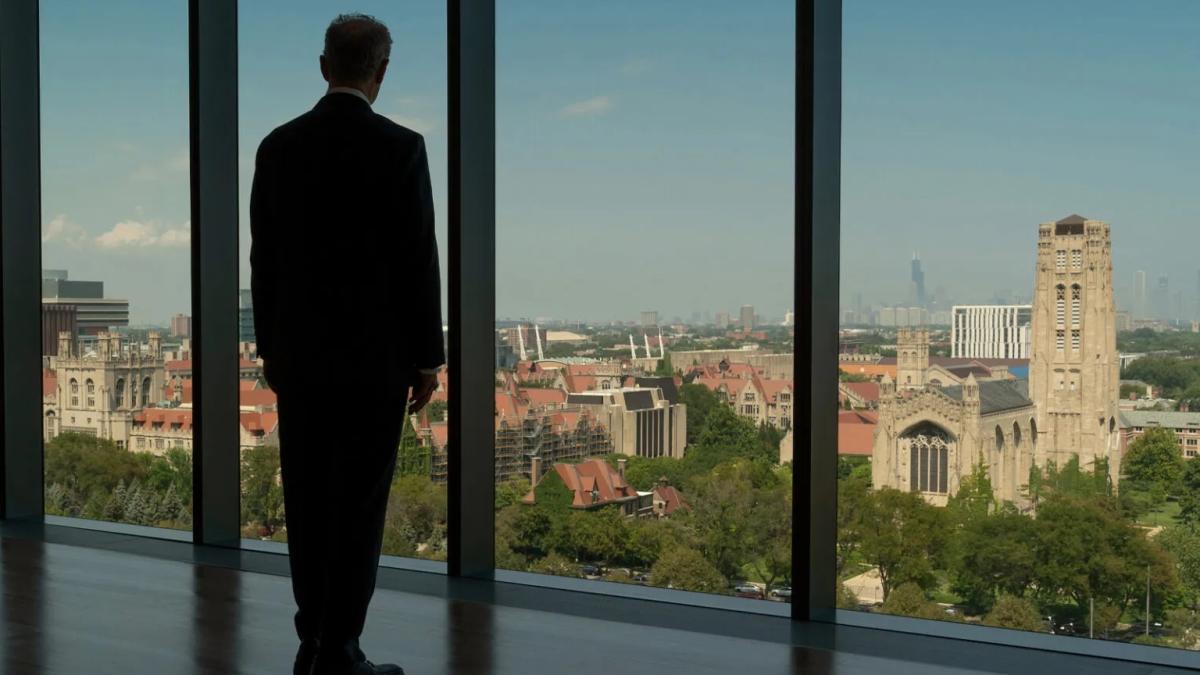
<point>381,71</point>
<point>324,68</point>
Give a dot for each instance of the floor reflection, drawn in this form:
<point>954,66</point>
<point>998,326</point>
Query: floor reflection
<point>217,626</point>
<point>470,638</point>
<point>23,608</point>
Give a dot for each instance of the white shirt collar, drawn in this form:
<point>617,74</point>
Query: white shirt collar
<point>349,90</point>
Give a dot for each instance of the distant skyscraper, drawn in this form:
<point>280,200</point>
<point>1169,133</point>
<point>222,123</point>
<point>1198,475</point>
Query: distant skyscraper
<point>94,313</point>
<point>245,316</point>
<point>747,318</point>
<point>649,318</point>
<point>181,325</point>
<point>917,283</point>
<point>722,320</point>
<point>1160,300</point>
<point>1139,295</point>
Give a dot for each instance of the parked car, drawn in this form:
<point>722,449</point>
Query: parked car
<point>640,577</point>
<point>781,593</point>
<point>748,591</point>
<point>590,572</point>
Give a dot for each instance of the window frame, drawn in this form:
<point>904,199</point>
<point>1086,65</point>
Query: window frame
<point>213,58</point>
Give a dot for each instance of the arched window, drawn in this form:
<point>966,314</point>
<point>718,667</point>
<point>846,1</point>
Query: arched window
<point>74,393</point>
<point>928,458</point>
<point>1061,297</point>
<point>1016,435</point>
<point>999,439</point>
<point>1033,433</point>
<point>91,393</point>
<point>119,393</point>
<point>146,392</point>
<point>1076,301</point>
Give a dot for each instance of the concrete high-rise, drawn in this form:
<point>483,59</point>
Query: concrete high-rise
<point>747,318</point>
<point>649,318</point>
<point>990,331</point>
<point>1073,374</point>
<point>1139,295</point>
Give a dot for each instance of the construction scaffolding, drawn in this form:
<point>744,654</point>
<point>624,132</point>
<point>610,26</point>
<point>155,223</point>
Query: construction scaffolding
<point>550,435</point>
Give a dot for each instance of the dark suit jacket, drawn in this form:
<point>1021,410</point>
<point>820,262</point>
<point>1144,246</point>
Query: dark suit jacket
<point>343,257</point>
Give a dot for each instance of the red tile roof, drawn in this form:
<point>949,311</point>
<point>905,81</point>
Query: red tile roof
<point>255,421</point>
<point>856,432</point>
<point>670,498</point>
<point>543,398</point>
<point>164,416</point>
<point>868,391</point>
<point>259,398</point>
<point>185,395</point>
<point>594,476</point>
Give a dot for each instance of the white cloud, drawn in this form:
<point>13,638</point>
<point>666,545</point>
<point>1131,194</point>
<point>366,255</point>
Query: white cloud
<point>590,107</point>
<point>135,234</point>
<point>62,230</point>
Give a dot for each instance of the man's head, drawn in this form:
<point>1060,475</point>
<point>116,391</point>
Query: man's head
<point>356,54</point>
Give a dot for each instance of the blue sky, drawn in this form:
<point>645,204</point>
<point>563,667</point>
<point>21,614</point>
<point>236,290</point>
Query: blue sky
<point>644,153</point>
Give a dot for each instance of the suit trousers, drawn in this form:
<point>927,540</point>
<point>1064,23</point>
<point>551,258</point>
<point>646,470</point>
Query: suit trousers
<point>337,473</point>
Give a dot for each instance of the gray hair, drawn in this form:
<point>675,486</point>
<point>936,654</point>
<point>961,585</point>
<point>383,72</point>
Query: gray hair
<point>355,46</point>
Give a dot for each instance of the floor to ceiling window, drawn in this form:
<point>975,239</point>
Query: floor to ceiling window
<point>278,80</point>
<point>116,278</point>
<point>1016,425</point>
<point>644,293</point>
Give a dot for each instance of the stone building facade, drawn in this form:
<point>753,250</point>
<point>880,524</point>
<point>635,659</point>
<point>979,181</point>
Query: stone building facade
<point>100,391</point>
<point>1074,371</point>
<point>936,425</point>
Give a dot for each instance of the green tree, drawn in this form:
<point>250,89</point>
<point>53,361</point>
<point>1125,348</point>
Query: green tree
<point>415,523</point>
<point>664,369</point>
<point>1183,542</point>
<point>1084,549</point>
<point>1189,492</point>
<point>722,502</point>
<point>908,599</point>
<point>700,401</point>
<point>726,437</point>
<point>686,569</point>
<point>993,555</point>
<point>852,502</point>
<point>770,524</point>
<point>846,599</point>
<point>1154,458</point>
<point>903,537</point>
<point>1011,611</point>
<point>262,492</point>
<point>511,492</point>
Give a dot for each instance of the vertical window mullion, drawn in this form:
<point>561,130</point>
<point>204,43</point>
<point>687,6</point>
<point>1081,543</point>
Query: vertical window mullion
<point>214,170</point>
<point>472,286</point>
<point>20,248</point>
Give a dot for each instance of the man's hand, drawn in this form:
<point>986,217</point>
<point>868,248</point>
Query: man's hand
<point>422,389</point>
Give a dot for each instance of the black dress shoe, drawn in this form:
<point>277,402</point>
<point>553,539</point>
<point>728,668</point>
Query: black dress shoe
<point>349,660</point>
<point>304,658</point>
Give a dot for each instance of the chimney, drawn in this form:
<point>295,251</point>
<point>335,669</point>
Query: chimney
<point>621,467</point>
<point>535,470</point>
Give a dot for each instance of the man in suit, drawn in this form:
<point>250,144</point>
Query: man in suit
<point>347,314</point>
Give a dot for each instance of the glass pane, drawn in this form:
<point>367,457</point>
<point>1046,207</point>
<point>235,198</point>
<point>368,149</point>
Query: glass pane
<point>279,79</point>
<point>1020,342</point>
<point>644,293</point>
<point>116,261</point>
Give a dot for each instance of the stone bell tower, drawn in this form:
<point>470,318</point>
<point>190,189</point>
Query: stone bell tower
<point>912,358</point>
<point>1074,369</point>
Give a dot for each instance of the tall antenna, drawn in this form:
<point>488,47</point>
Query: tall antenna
<point>632,348</point>
<point>538,336</point>
<point>646,338</point>
<point>521,339</point>
<point>662,351</point>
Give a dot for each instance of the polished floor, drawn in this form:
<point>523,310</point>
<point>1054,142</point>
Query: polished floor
<point>122,606</point>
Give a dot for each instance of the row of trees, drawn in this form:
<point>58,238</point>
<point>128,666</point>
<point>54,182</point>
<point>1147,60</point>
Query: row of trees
<point>89,477</point>
<point>736,525</point>
<point>1079,550</point>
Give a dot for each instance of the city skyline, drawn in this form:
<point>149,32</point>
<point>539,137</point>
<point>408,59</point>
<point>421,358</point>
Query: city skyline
<point>997,159</point>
